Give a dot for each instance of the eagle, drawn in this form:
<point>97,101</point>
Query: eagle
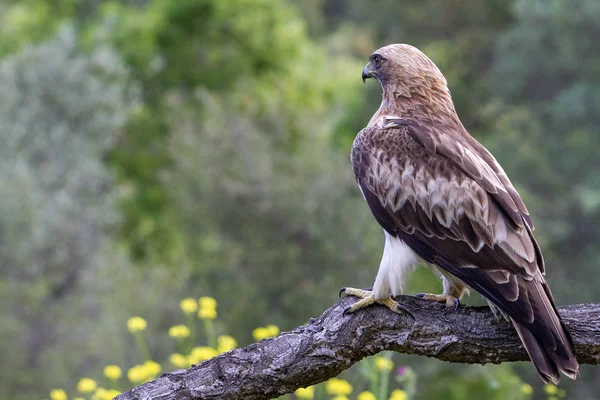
<point>440,196</point>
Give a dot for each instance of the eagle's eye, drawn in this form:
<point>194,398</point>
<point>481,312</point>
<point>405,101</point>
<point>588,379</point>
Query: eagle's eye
<point>377,60</point>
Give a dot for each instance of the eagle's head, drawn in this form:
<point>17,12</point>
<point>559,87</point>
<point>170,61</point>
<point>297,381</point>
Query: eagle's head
<point>412,84</point>
<point>404,69</point>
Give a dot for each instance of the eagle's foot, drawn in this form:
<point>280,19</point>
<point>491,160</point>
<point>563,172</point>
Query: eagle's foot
<point>450,301</point>
<point>368,298</point>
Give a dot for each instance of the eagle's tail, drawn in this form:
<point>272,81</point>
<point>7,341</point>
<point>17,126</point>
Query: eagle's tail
<point>547,340</point>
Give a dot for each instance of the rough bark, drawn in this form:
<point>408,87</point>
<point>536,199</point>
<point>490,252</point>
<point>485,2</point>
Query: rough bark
<point>327,345</point>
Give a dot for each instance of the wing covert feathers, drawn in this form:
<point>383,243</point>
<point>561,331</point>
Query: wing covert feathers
<point>445,196</point>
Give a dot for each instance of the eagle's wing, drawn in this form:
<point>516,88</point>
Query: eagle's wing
<point>472,159</point>
<point>455,207</point>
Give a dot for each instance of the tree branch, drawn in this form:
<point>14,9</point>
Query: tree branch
<point>326,346</point>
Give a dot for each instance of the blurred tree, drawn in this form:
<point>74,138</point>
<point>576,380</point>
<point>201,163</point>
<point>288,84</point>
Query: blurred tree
<point>59,113</point>
<point>177,47</point>
<point>23,22</point>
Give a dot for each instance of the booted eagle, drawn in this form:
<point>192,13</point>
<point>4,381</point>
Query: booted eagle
<point>441,196</point>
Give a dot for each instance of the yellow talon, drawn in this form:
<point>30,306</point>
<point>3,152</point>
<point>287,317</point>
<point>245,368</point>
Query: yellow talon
<point>449,300</point>
<point>367,298</point>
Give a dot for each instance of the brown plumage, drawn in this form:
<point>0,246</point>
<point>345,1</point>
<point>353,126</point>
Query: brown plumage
<point>434,188</point>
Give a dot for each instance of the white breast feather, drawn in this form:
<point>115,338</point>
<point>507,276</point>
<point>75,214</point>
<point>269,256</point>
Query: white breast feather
<point>397,260</point>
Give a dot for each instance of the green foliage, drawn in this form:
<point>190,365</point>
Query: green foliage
<point>29,21</point>
<point>188,43</point>
<point>58,113</point>
<point>174,48</point>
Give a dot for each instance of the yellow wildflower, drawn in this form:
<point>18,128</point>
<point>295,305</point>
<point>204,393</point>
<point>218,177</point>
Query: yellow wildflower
<point>550,389</point>
<point>111,394</point>
<point>112,372</point>
<point>526,388</point>
<point>207,313</point>
<point>384,364</point>
<point>58,394</point>
<point>398,394</point>
<point>336,386</point>
<point>179,360</point>
<point>264,332</point>
<point>179,332</point>
<point>152,369</point>
<point>100,394</point>
<point>202,353</point>
<point>305,393</point>
<point>339,398</point>
<point>137,374</point>
<point>273,330</point>
<point>207,302</point>
<point>225,343</point>
<point>104,394</point>
<point>260,333</point>
<point>78,398</point>
<point>136,324</point>
<point>188,306</point>
<point>144,372</point>
<point>366,395</point>
<point>208,308</point>
<point>86,385</point>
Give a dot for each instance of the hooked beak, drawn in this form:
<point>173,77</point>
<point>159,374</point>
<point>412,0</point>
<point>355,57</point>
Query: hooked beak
<point>367,72</point>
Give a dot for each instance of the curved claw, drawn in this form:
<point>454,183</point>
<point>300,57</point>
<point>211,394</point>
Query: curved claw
<point>342,291</point>
<point>456,304</point>
<point>450,301</point>
<point>400,307</point>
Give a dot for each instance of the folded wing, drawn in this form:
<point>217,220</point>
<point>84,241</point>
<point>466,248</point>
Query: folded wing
<point>445,195</point>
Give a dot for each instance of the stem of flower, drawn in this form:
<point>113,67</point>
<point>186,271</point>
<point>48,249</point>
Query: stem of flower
<point>319,392</point>
<point>411,383</point>
<point>192,342</point>
<point>141,344</point>
<point>210,333</point>
<point>383,385</point>
<point>373,375</point>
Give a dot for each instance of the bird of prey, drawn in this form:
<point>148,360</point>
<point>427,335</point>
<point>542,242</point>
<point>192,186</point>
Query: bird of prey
<point>441,196</point>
